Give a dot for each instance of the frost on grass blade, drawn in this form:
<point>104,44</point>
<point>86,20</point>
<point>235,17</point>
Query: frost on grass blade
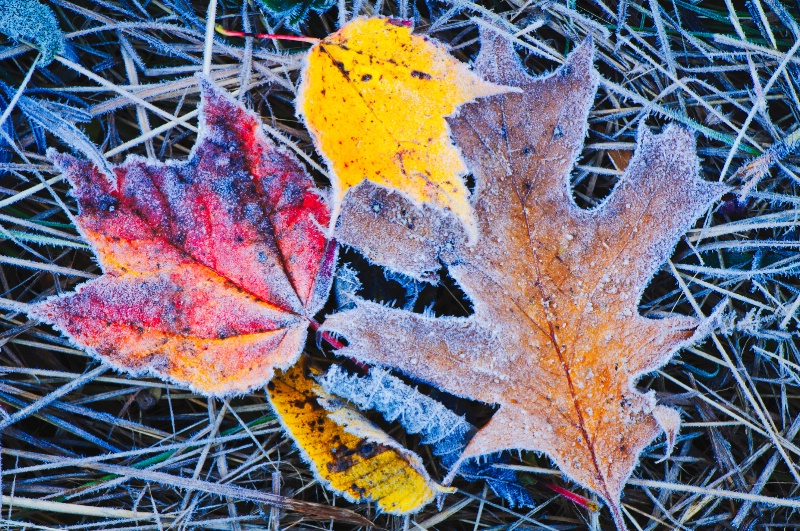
<point>41,116</point>
<point>213,266</point>
<point>349,454</point>
<point>556,340</point>
<point>31,21</point>
<point>345,286</point>
<point>8,134</point>
<point>446,432</point>
<point>295,12</point>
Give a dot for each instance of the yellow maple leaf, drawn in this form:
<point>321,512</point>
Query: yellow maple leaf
<point>349,454</point>
<point>374,97</point>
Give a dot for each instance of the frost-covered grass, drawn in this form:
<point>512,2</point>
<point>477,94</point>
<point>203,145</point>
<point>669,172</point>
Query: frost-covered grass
<point>86,448</point>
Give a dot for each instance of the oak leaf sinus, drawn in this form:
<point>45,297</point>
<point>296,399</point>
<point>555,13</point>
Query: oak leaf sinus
<point>556,339</point>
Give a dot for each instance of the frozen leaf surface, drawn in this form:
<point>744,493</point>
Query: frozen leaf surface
<point>445,432</point>
<point>349,454</point>
<point>375,97</point>
<point>556,339</point>
<point>212,266</point>
<point>390,231</point>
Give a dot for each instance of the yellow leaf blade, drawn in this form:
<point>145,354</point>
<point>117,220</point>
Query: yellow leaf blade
<point>348,453</point>
<point>374,97</point>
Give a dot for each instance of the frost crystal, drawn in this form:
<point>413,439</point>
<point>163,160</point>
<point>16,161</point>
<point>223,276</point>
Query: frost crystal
<point>446,432</point>
<point>29,20</point>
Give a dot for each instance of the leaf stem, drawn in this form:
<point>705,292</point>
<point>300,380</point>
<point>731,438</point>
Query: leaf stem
<point>335,343</point>
<point>577,498</point>
<point>230,33</point>
<point>332,341</point>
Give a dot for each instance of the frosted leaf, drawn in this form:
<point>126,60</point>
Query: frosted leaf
<point>31,21</point>
<point>556,340</point>
<point>213,266</point>
<point>446,432</point>
<point>347,453</point>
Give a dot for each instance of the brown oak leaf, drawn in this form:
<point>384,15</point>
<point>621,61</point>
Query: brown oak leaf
<point>556,339</point>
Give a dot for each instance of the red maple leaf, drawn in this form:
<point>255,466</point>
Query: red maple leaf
<point>213,266</point>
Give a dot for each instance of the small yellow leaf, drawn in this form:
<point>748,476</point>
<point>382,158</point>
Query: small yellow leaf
<point>374,97</point>
<point>349,454</point>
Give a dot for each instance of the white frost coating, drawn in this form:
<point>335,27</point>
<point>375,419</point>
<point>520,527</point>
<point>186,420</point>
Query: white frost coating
<point>293,335</point>
<point>395,400</point>
<point>670,421</point>
<point>390,231</point>
<point>345,286</point>
<point>702,330</point>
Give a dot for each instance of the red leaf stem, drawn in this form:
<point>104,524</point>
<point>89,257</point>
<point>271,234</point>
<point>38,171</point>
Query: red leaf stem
<point>230,33</point>
<point>577,498</point>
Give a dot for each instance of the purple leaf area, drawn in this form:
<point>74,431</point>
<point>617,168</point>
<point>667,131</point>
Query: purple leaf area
<point>556,339</point>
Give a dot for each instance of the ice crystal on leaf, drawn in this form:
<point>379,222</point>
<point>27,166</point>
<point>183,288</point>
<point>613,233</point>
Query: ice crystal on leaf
<point>29,20</point>
<point>556,339</point>
<point>213,266</point>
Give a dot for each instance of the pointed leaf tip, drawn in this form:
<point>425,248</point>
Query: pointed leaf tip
<point>62,161</point>
<point>581,59</point>
<point>668,420</point>
<point>497,59</point>
<point>217,102</point>
<point>671,133</point>
<point>82,174</point>
<point>499,62</point>
<point>205,82</point>
<point>208,89</point>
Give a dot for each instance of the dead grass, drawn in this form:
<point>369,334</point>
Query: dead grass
<point>84,447</point>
